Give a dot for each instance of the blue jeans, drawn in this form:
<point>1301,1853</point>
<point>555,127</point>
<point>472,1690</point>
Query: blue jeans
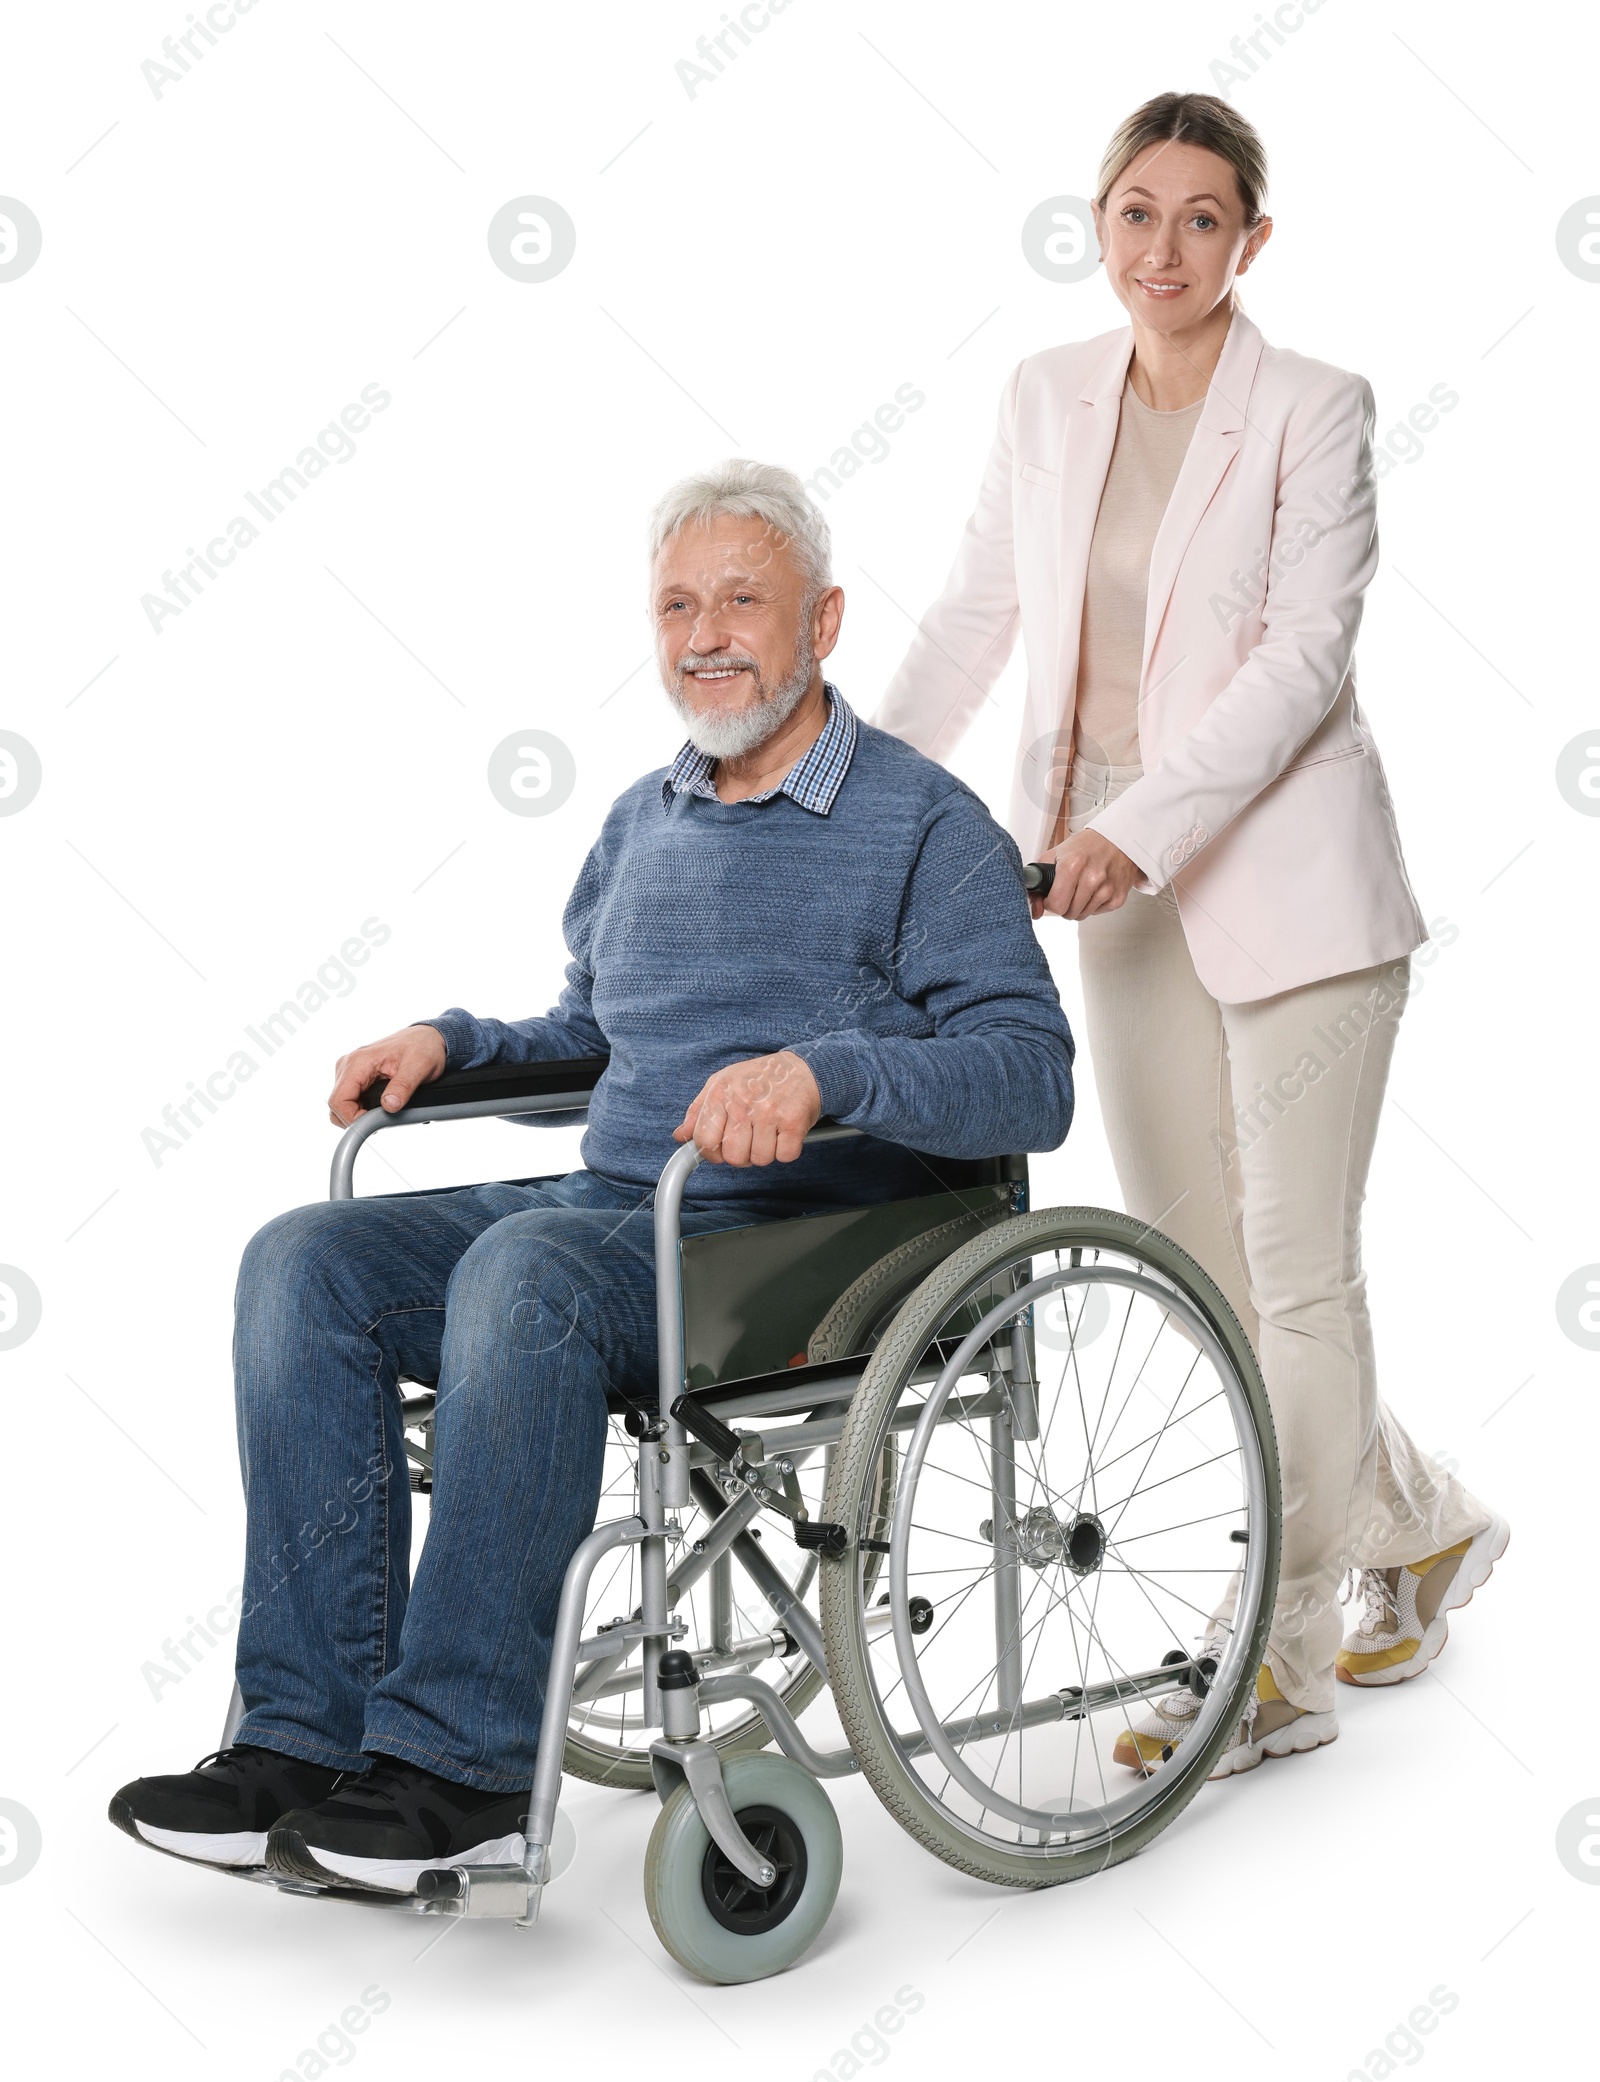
<point>525,1302</point>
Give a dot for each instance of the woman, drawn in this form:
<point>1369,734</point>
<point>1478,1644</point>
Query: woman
<point>1181,520</point>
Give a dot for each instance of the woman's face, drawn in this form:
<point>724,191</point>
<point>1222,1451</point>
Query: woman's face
<point>1173,235</point>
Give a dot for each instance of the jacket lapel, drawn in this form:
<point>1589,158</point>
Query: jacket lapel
<point>1217,437</point>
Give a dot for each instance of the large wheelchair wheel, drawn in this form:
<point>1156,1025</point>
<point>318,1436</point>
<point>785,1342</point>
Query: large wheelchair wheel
<point>1084,1515</point>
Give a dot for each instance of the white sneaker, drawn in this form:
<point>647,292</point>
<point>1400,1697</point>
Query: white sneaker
<point>1153,1740</point>
<point>1403,1623</point>
<point>1271,1727</point>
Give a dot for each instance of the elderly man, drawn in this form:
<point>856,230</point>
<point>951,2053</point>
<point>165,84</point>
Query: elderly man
<point>800,917</point>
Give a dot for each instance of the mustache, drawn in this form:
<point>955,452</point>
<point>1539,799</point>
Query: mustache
<point>715,661</point>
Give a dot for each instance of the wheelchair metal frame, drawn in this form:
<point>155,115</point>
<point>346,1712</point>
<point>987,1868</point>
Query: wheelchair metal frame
<point>675,1471</point>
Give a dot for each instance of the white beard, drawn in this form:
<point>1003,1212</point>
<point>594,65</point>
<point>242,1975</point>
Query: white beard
<point>731,735</point>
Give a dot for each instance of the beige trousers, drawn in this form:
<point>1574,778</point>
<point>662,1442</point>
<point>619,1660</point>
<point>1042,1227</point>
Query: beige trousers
<point>1244,1132</point>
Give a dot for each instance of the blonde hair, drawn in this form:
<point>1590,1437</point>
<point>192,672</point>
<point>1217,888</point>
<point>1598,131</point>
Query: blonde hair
<point>1192,119</point>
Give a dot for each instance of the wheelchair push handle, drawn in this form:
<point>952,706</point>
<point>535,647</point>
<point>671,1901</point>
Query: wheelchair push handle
<point>1038,877</point>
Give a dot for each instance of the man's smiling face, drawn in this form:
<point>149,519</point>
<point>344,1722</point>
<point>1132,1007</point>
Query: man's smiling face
<point>731,620</point>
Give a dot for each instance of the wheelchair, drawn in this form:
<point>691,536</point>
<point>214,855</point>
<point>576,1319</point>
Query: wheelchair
<point>992,1476</point>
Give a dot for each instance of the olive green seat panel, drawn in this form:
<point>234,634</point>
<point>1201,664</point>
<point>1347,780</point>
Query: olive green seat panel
<point>754,1298</point>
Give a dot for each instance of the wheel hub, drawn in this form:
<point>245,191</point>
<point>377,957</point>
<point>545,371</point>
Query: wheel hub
<point>737,1903</point>
<point>1045,1537</point>
<point>1086,1544</point>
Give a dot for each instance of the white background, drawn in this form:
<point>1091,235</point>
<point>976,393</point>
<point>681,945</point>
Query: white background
<point>758,267</point>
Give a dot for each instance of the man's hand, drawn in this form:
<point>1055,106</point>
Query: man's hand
<point>413,1056</point>
<point>1092,875</point>
<point>753,1112</point>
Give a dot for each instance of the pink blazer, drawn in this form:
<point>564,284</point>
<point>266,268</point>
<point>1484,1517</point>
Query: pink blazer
<point>1263,800</point>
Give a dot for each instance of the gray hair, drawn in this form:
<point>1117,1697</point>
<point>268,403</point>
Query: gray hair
<point>751,491</point>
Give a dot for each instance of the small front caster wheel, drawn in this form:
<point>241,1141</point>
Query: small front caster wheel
<point>708,1915</point>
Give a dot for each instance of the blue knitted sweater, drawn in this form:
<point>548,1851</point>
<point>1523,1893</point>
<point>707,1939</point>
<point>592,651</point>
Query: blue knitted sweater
<point>887,941</point>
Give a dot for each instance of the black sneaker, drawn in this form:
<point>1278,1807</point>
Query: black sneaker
<point>380,1830</point>
<point>220,1812</point>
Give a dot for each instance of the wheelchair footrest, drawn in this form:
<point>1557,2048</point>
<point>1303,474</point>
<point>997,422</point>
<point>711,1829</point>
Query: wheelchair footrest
<point>503,1891</point>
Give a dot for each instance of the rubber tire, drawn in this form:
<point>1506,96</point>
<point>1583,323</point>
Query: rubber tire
<point>676,1854</point>
<point>896,1783</point>
<point>868,1304</point>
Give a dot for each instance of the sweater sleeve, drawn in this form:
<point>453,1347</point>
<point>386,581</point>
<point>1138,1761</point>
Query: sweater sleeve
<point>995,1076</point>
<point>569,1029</point>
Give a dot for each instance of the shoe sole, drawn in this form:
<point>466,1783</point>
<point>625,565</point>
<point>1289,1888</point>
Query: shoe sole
<point>236,1852</point>
<point>1472,1573</point>
<point>1310,1731</point>
<point>289,1853</point>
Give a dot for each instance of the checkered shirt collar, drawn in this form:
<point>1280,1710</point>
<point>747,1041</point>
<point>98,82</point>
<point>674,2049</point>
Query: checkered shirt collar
<point>813,781</point>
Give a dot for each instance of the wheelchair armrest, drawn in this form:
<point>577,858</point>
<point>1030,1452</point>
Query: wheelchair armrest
<point>499,1081</point>
<point>498,1088</point>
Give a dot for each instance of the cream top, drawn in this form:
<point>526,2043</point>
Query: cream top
<point>1149,452</point>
